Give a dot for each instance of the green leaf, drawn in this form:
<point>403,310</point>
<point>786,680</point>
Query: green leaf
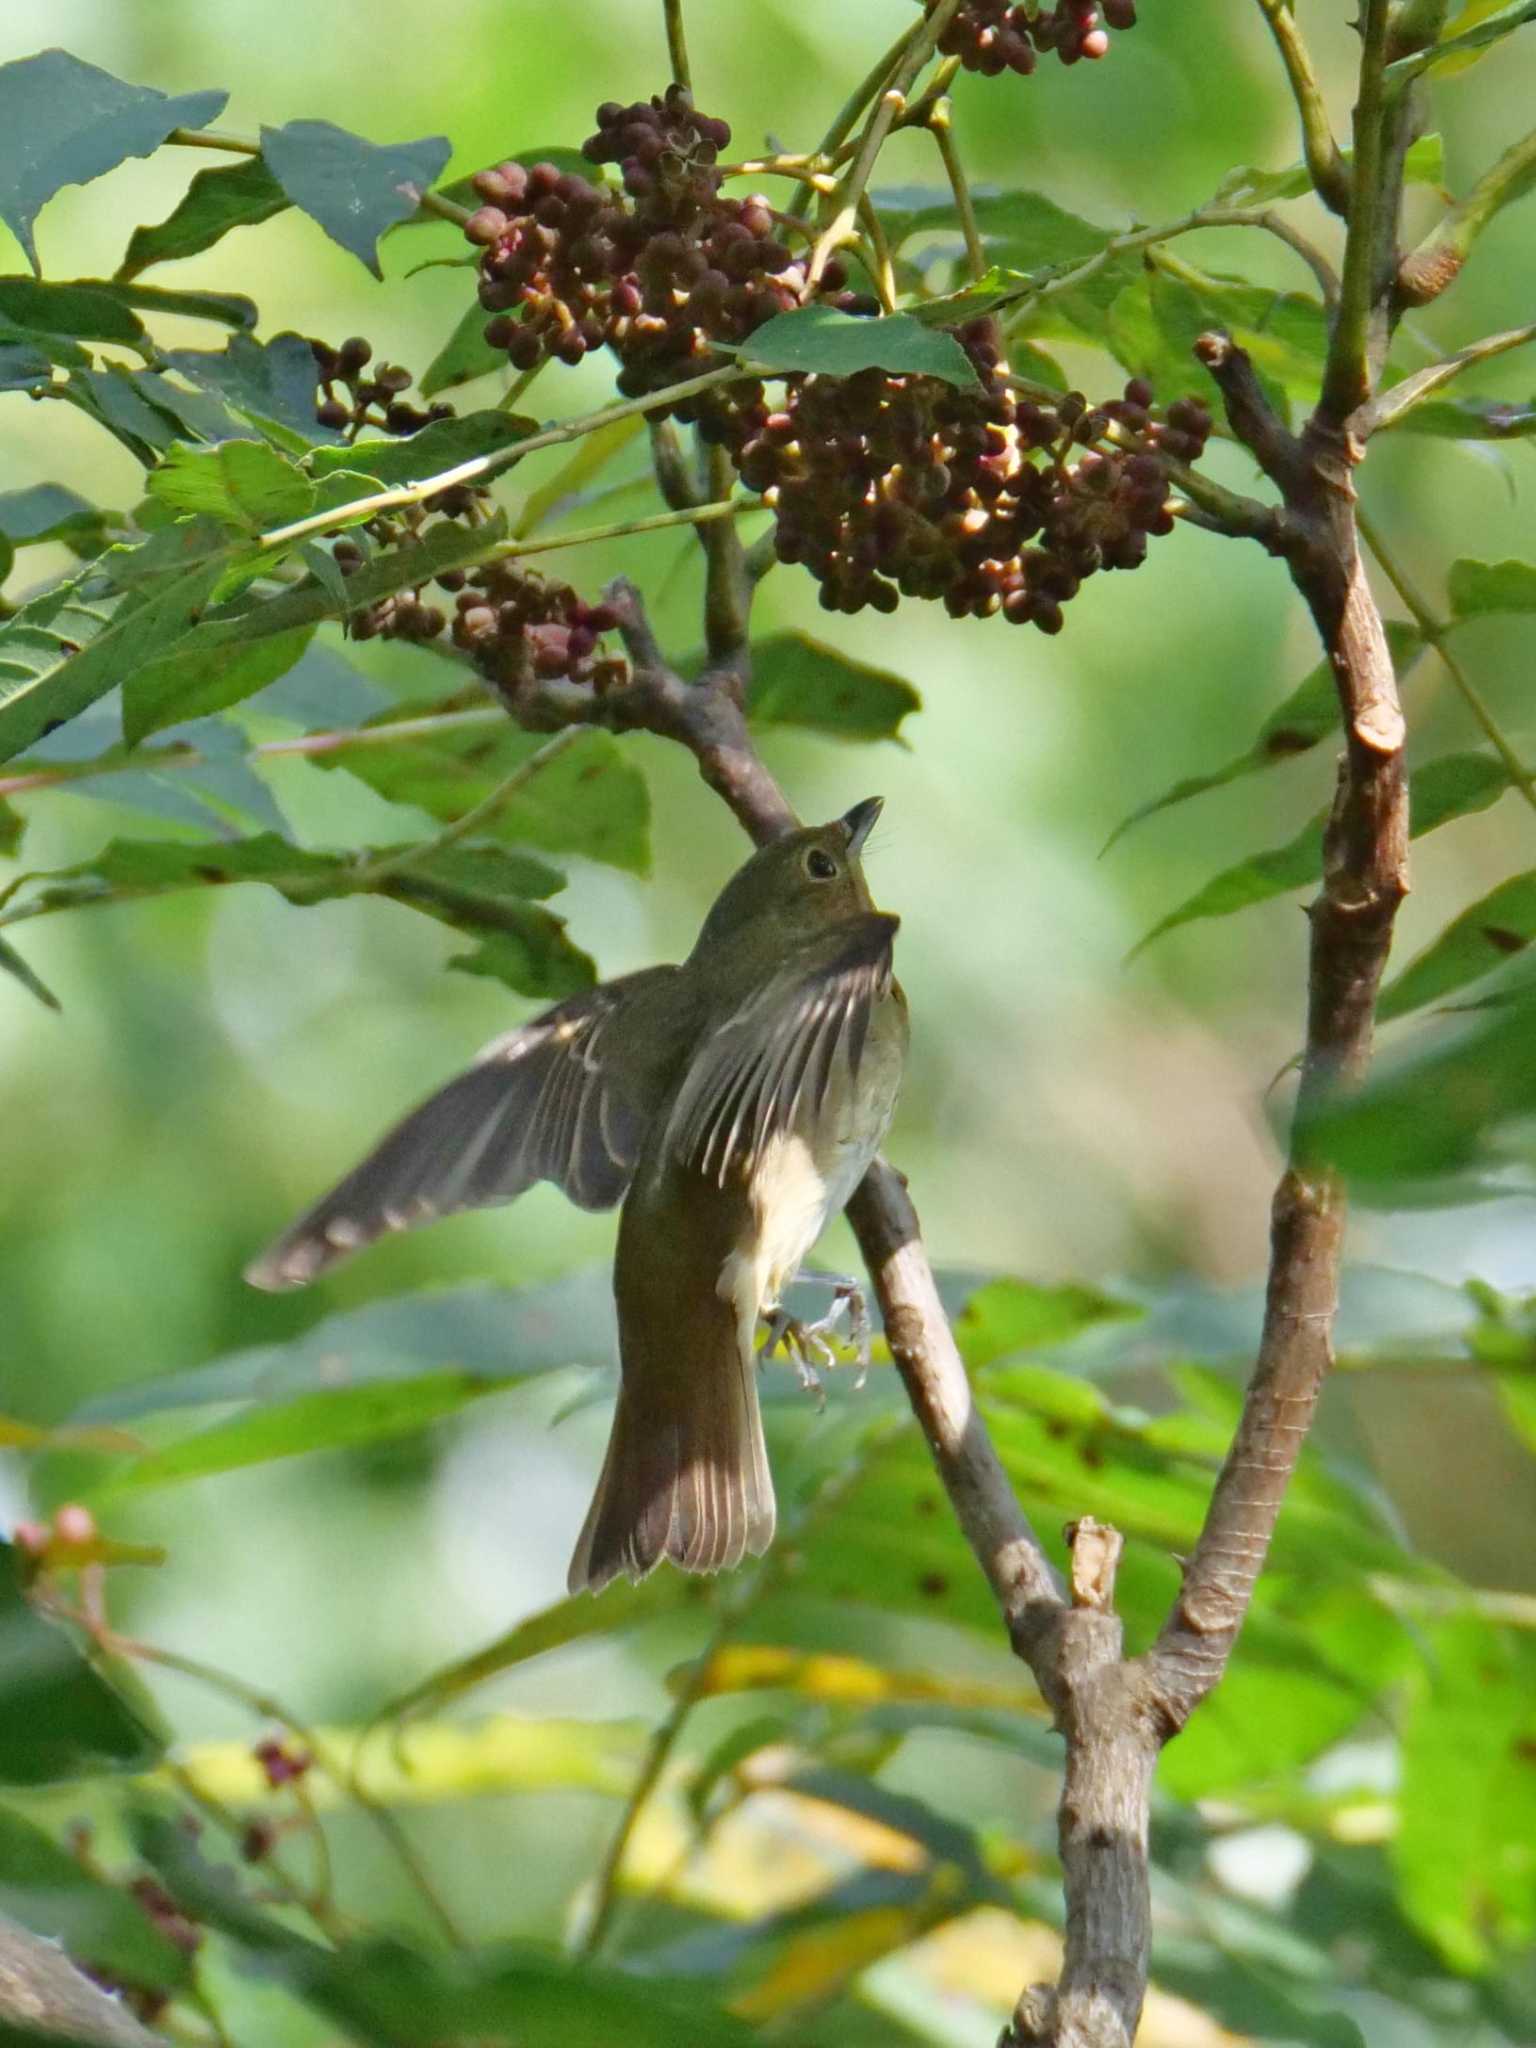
<point>80,312</point>
<point>818,338</point>
<point>589,799</point>
<point>1284,333</point>
<point>1499,924</point>
<point>1309,715</point>
<point>191,685</point>
<point>464,356</point>
<point>1452,787</point>
<point>11,963</point>
<point>1469,419</point>
<point>997,286</point>
<point>47,512</point>
<point>40,697</point>
<point>1479,587</point>
<point>241,483</point>
<point>798,681</point>
<point>311,1422</point>
<point>228,309</point>
<point>353,188</point>
<point>59,1718</point>
<point>1467,1810</point>
<point>1010,1316</point>
<point>1458,49</point>
<point>232,196</point>
<point>50,1890</point>
<point>1024,230</point>
<point>410,459</point>
<point>1441,1109</point>
<point>195,678</point>
<point>1424,164</point>
<point>63,123</point>
<point>273,384</point>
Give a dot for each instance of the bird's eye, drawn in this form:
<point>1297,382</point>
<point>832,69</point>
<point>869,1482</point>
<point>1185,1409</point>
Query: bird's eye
<point>821,867</point>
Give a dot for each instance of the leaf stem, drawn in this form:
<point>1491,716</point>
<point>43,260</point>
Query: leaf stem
<point>1389,407</point>
<point>476,816</point>
<point>1324,159</point>
<point>1436,632</point>
<point>940,126</point>
<point>480,467</point>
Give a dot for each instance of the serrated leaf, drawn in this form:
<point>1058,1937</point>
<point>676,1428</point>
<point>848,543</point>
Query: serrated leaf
<point>1498,925</point>
<point>464,356</point>
<point>228,309</point>
<point>411,458</point>
<point>480,890</point>
<point>1452,787</point>
<point>30,704</point>
<point>1476,588</point>
<point>217,200</point>
<point>1024,230</point>
<point>820,339</point>
<point>247,484</point>
<point>195,678</point>
<point>353,188</point>
<point>799,681</point>
<point>1307,716</point>
<point>273,384</point>
<point>60,1719</point>
<point>63,122</point>
<point>589,799</point>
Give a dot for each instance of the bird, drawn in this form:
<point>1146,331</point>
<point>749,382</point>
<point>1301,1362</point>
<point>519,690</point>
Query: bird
<point>732,1103</point>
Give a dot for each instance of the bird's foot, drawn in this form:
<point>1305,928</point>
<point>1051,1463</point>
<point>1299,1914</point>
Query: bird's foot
<point>805,1342</point>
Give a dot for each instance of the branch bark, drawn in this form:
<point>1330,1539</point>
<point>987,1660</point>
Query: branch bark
<point>41,1989</point>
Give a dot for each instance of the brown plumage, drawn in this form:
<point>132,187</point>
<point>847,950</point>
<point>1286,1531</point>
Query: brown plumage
<point>733,1103</point>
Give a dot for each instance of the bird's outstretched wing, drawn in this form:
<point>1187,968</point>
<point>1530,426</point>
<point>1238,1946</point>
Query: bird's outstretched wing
<point>770,1060</point>
<point>566,1098</point>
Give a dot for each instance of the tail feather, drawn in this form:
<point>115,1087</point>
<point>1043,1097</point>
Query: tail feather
<point>686,1479</point>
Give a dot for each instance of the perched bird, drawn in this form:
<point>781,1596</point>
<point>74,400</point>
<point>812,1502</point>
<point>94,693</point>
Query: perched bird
<point>734,1103</point>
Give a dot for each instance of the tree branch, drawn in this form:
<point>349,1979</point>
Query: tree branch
<point>1425,272</point>
<point>41,1989</point>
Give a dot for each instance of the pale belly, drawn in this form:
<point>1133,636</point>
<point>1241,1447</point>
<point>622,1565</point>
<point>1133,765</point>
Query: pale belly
<point>807,1175</point>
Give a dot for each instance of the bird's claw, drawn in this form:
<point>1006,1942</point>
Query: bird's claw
<point>804,1342</point>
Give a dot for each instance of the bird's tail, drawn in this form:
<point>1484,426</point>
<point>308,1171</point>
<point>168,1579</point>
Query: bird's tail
<point>686,1475</point>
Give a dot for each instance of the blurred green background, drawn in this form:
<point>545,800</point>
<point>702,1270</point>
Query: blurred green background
<point>221,1058</point>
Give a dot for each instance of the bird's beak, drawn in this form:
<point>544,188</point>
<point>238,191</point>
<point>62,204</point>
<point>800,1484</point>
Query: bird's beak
<point>859,822</point>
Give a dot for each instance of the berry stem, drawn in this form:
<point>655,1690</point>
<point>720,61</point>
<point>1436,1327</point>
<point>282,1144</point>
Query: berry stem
<point>481,466</point>
<point>892,102</point>
<point>941,127</point>
<point>677,43</point>
<point>474,818</point>
<point>1435,632</point>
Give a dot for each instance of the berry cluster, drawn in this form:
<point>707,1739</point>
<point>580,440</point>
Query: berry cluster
<point>992,36</point>
<point>376,401</point>
<point>661,274</point>
<point>887,486</point>
<point>519,628</point>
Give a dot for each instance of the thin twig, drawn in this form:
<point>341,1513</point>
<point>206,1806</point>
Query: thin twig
<point>1388,407</point>
<point>1436,634</point>
<point>941,127</point>
<point>480,467</point>
<point>1348,377</point>
<point>892,101</point>
<point>472,820</point>
<point>1426,271</point>
<point>1325,162</point>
